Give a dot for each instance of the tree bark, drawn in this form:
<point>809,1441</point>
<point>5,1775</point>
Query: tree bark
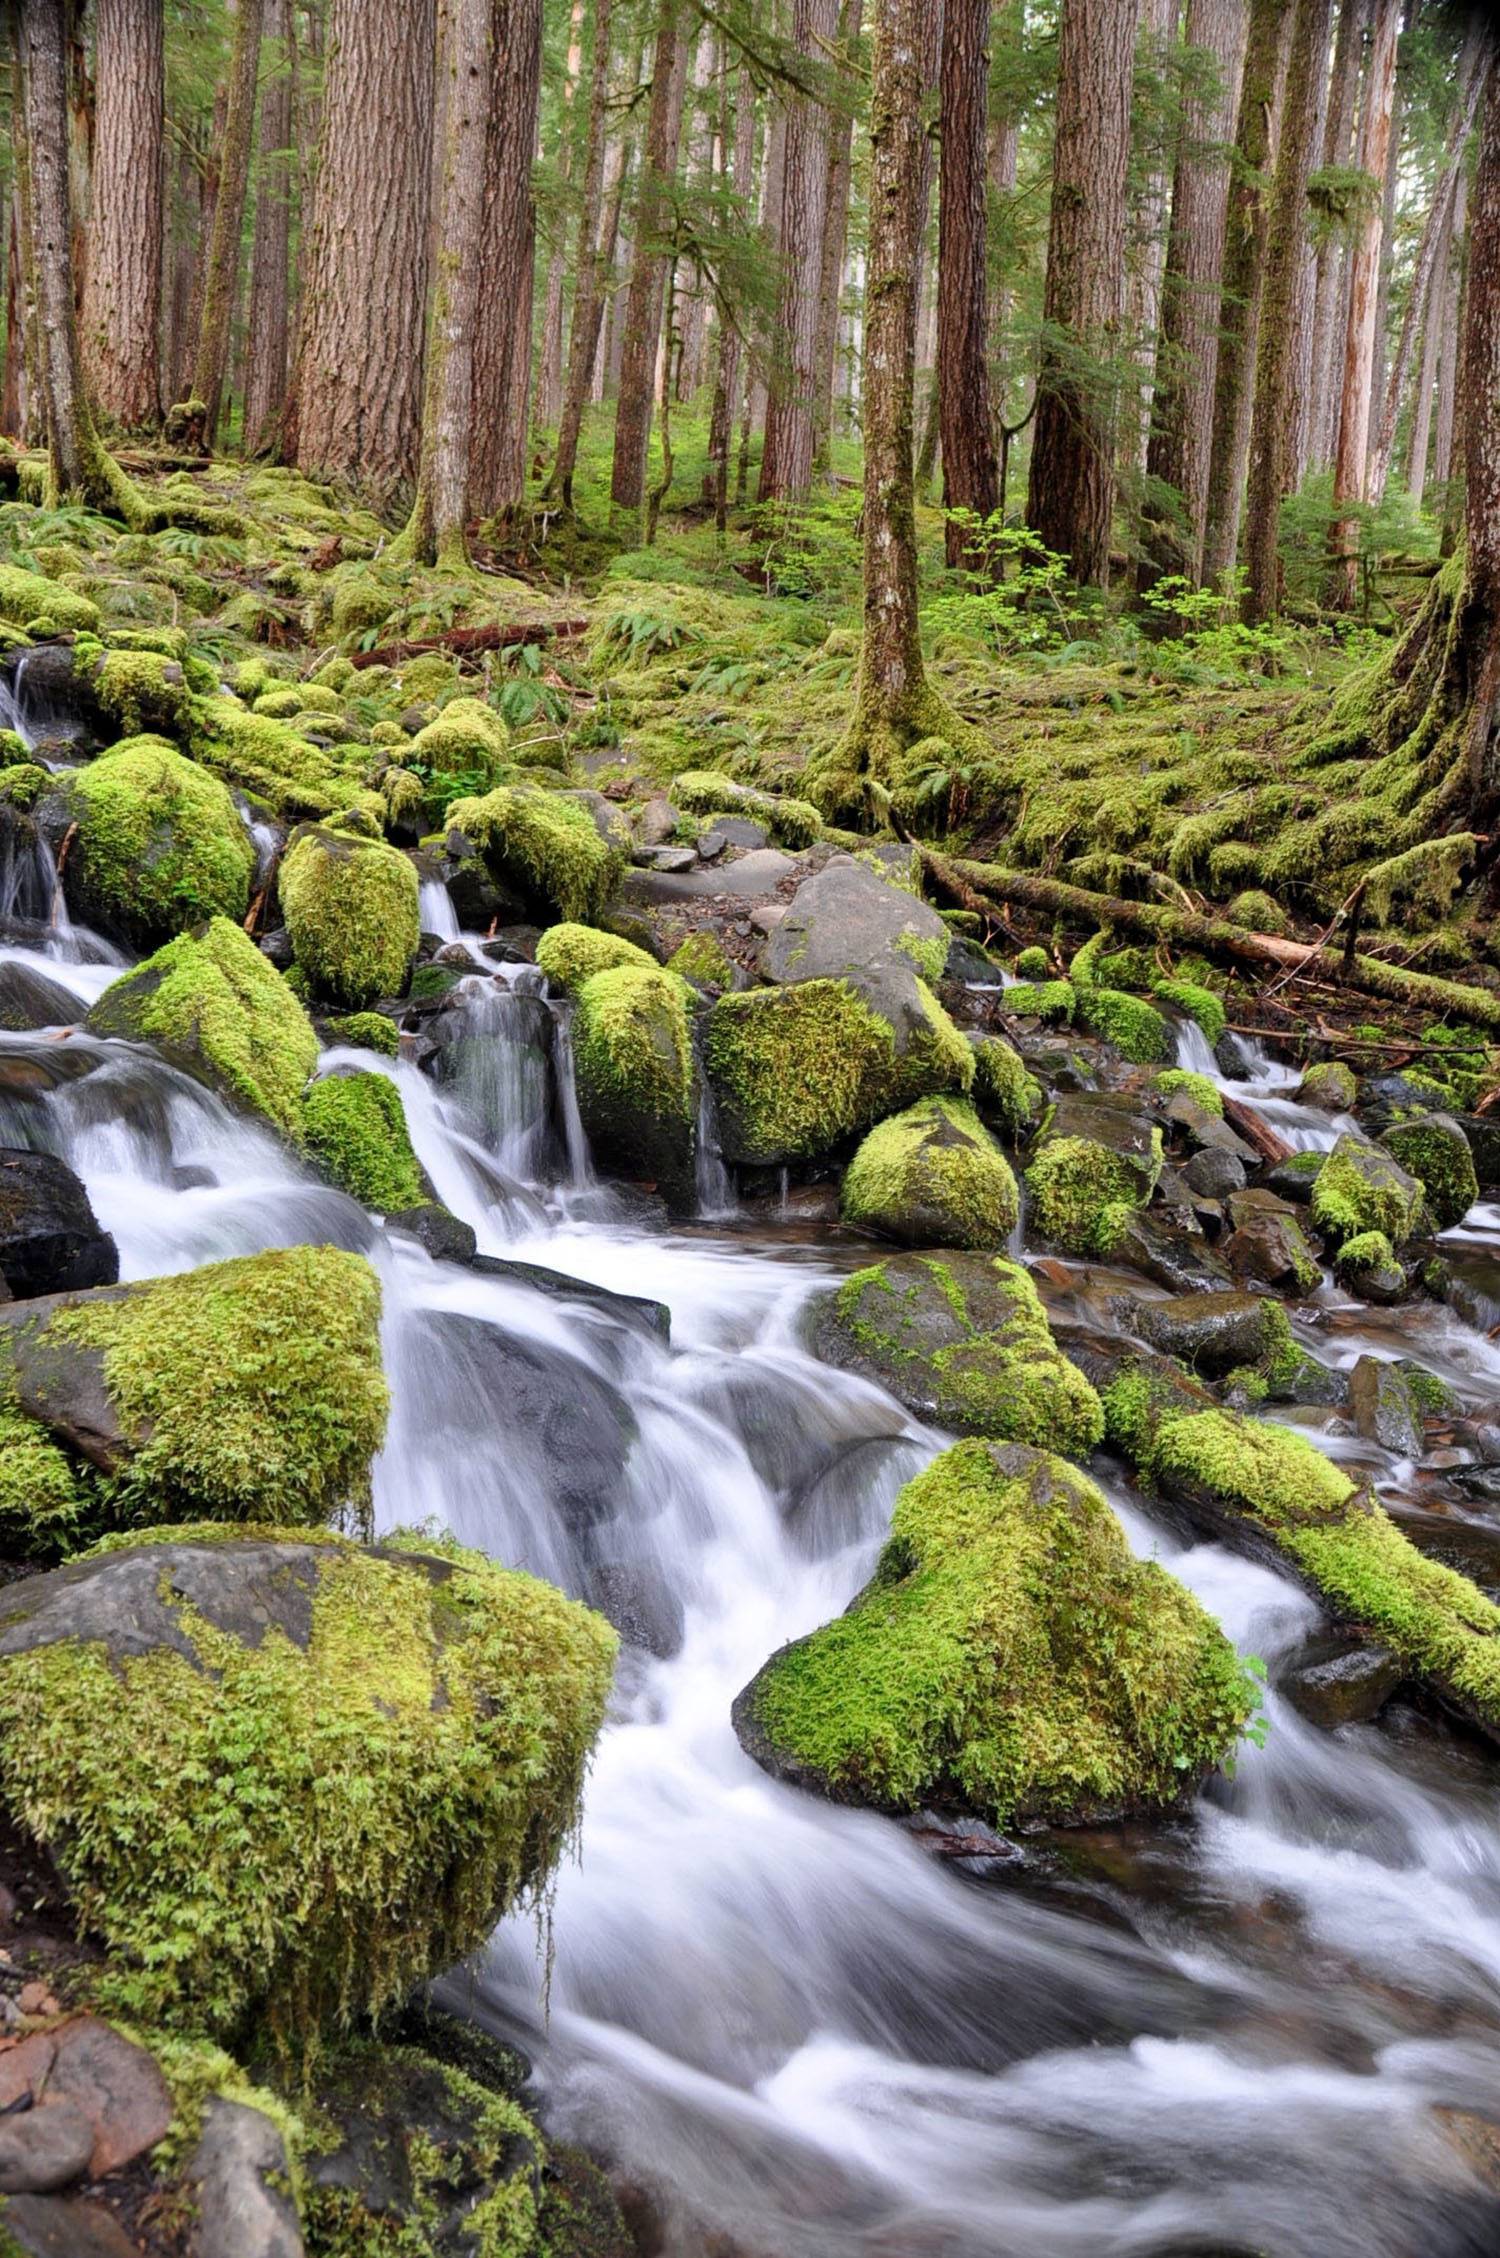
<point>1147,241</point>
<point>1419,439</point>
<point>1452,343</point>
<point>1182,425</point>
<point>502,341</point>
<point>835,240</point>
<point>265,379</point>
<point>122,288</point>
<point>1338,150</point>
<point>1351,461</point>
<point>1476,641</point>
<point>643,309</point>
<point>1071,493</point>
<point>588,287</point>
<point>971,471</point>
<point>222,272</point>
<point>359,379</point>
<point>1304,310</point>
<point>1271,420</point>
<point>727,379</point>
<point>549,366</point>
<point>787,458</point>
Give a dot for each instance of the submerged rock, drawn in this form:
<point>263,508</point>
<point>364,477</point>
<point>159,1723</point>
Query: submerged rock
<point>1010,1655</point>
<point>29,1000</point>
<point>932,1177</point>
<point>50,1238</point>
<point>1341,1680</point>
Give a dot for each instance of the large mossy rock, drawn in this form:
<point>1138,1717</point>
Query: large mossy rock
<point>248,1390</point>
<point>633,1061</point>
<point>1098,1158</point>
<point>1010,1654</point>
<point>932,1176</point>
<point>1362,1188</point>
<point>797,1071</point>
<point>157,845</point>
<point>213,1005</point>
<point>288,1781</point>
<point>29,598</point>
<point>847,922</point>
<point>542,845</point>
<point>1006,1094</point>
<point>961,1340</point>
<point>571,954</point>
<point>350,906</point>
<point>1433,1148</point>
<point>355,1127</point>
<point>705,791</point>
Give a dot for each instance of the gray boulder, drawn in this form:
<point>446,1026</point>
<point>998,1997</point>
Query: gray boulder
<point>239,2170</point>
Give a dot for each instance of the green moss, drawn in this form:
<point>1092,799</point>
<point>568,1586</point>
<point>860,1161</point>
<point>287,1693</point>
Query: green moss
<point>213,1005</point>
<point>1135,1029</point>
<point>1050,1001</point>
<point>796,823</point>
<point>1009,1652</point>
<point>159,844</point>
<point>1196,1003</point>
<point>633,1059</point>
<point>26,597</point>
<point>1436,1151</point>
<point>1082,1193</point>
<point>24,782</point>
<point>1258,913</point>
<point>428,677</point>
<point>141,690</point>
<point>44,1498</point>
<point>297,1835</point>
<point>1359,1188</point>
<point>572,954</point>
<point>355,1125</point>
<point>701,959</point>
<point>1369,1254</point>
<point>351,909</point>
<point>1330,1084</point>
<point>1197,1086</point>
<point>468,740</point>
<point>367,1030</point>
<point>1032,964</point>
<point>281,702</point>
<point>1004,1091</point>
<point>928,953</point>
<point>932,1176</point>
<point>545,845</point>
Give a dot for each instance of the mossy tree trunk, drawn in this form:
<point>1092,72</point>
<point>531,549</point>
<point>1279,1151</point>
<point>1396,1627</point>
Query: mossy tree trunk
<point>643,307</point>
<point>502,336</point>
<point>266,346</point>
<point>1328,290</point>
<point>212,362</point>
<point>727,376</point>
<point>122,285</point>
<point>835,242</point>
<point>588,288</point>
<point>971,469</point>
<point>787,458</point>
<point>548,406</point>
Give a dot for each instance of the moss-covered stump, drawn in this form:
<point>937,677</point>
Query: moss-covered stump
<point>1361,1188</point>
<point>541,845</point>
<point>1007,1095</point>
<point>798,1071</point>
<point>355,1126</point>
<point>932,1177</point>
<point>1098,1158</point>
<point>245,1390</point>
<point>1273,1494</point>
<point>961,1340</point>
<point>157,844</point>
<point>633,1061</point>
<point>212,1004</point>
<point>287,1781</point>
<point>1433,1148</point>
<point>351,908</point>
<point>1009,1655</point>
<point>570,954</point>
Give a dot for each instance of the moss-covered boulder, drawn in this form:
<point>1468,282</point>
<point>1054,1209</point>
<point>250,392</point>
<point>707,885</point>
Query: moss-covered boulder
<point>467,745</point>
<point>246,1390</point>
<point>932,1177</point>
<point>1433,1148</point>
<point>633,1061</point>
<point>1361,1188</point>
<point>571,954</point>
<point>1215,1333</point>
<point>1367,1265</point>
<point>138,690</point>
<point>157,845</point>
<point>288,1780</point>
<point>1006,1093</point>
<point>29,597</point>
<point>704,791</point>
<point>350,905</point>
<point>963,1341</point>
<point>1009,1655</point>
<point>355,1126</point>
<point>542,845</point>
<point>1330,1086</point>
<point>799,1070</point>
<point>1099,1157</point>
<point>211,1003</point>
<point>848,922</point>
<point>1133,1027</point>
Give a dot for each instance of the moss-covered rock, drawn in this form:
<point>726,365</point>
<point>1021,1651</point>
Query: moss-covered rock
<point>1134,1028</point>
<point>44,1492</point>
<point>962,1340</point>
<point>468,741</point>
<point>1097,1160</point>
<point>633,1059</point>
<point>289,1780</point>
<point>1433,1148</point>
<point>1194,1002</point>
<point>541,845</point>
<point>211,1003</point>
<point>351,909</point>
<point>1330,1085</point>
<point>701,959</point>
<point>355,1126</point>
<point>1033,964</point>
<point>1367,1265</point>
<point>1052,1002</point>
<point>572,954</point>
<point>799,1070</point>
<point>158,844</point>
<point>1216,1333</point>
<point>1010,1655</point>
<point>1177,1080</point>
<point>366,1030</point>
<point>140,690</point>
<point>1360,1188</point>
<point>28,597</point>
<point>1008,1096</point>
<point>796,823</point>
<point>932,1177</point>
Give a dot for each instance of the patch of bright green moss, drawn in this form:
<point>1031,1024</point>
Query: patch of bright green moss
<point>545,845</point>
<point>367,1030</point>
<point>159,844</point>
<point>796,823</point>
<point>1330,1084</point>
<point>23,783</point>
<point>1004,1091</point>
<point>1359,1188</point>
<point>1080,1191</point>
<point>1032,964</point>
<point>355,1125</point>
<point>1196,1003</point>
<point>1197,1086</point>
<point>43,1496</point>
<point>572,954</point>
<point>26,597</point>
<point>351,909</point>
<point>932,1176</point>
<point>1135,1029</point>
<point>1436,1151</point>
<point>1050,1001</point>
<point>701,959</point>
<point>633,1060</point>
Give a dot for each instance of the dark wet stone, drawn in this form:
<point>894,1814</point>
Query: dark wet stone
<point>1214,1174</point>
<point>1213,1332</point>
<point>1106,1117</point>
<point>1294,1178</point>
<point>1167,1252</point>
<point>50,2226</point>
<point>1382,1408</point>
<point>446,1237</point>
<point>50,1238</point>
<point>28,1000</point>
<point>633,1310</point>
<point>239,2171</point>
<point>43,2149</point>
<point>276,947</point>
<point>832,1510</point>
<point>1483,1133</point>
<point>1208,1132</point>
<point>673,860</point>
<point>1272,1249</point>
<point>641,1607</point>
<point>1338,1680</point>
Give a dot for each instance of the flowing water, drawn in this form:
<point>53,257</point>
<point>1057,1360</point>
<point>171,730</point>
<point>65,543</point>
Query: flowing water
<point>1260,2029</point>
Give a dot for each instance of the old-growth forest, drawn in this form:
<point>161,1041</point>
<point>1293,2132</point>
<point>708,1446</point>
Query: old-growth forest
<point>749,1129</point>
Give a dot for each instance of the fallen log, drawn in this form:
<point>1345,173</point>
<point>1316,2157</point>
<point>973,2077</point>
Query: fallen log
<point>1213,936</point>
<point>462,640</point>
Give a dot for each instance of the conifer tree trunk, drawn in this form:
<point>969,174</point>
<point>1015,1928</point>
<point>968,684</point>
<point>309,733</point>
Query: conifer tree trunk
<point>1182,423</point>
<point>835,243</point>
<point>1351,460</point>
<point>265,380</point>
<point>122,286</point>
<point>1271,420</point>
<point>727,379</point>
<point>502,341</point>
<point>1146,244</point>
<point>589,269</point>
<point>359,377</point>
<point>786,461</point>
<point>1475,645</point>
<point>1450,341</point>
<point>1071,493</point>
<point>1338,146</point>
<point>971,471</point>
<point>643,306</point>
<point>23,333</point>
<point>549,367</point>
<point>222,271</point>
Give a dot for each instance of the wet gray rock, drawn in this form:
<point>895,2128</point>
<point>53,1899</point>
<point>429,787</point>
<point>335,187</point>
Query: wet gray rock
<point>1205,1131</point>
<point>1107,1117</point>
<point>754,877</point>
<point>1272,1249</point>
<point>848,923</point>
<point>631,1310</point>
<point>1294,1177</point>
<point>50,1238</point>
<point>1338,1680</point>
<point>28,1000</point>
<point>656,822</point>
<point>50,2226</point>
<point>239,2170</point>
<point>446,1237</point>
<point>1483,1133</point>
<point>44,2149</point>
<point>834,1510</point>
<point>1214,1175</point>
<point>641,1607</point>
<point>1213,1332</point>
<point>1383,1409</point>
<point>672,860</point>
<point>1170,1254</point>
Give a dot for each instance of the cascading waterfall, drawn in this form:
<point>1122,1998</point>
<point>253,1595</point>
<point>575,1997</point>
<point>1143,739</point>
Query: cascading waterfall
<point>1250,2031</point>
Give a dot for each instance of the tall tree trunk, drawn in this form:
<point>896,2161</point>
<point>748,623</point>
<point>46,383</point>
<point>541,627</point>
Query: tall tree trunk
<point>30,405</point>
<point>1148,228</point>
<point>1071,494</point>
<point>727,379</point>
<point>1004,151</point>
<point>1478,639</point>
<point>265,380</point>
<point>690,307</point>
<point>359,379</point>
<point>643,307</point>
<point>1182,426</point>
<point>1451,340</point>
<point>1271,421</point>
<point>1247,228</point>
<point>835,239</point>
<point>787,458</point>
<point>1351,460</point>
<point>502,343</point>
<point>435,530</point>
<point>971,472</point>
<point>1338,151</point>
<point>589,270</point>
<point>1419,438</point>
<point>122,287</point>
<point>549,366</point>
<point>306,78</point>
<point>1387,255</point>
<point>1304,314</point>
<point>222,272</point>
